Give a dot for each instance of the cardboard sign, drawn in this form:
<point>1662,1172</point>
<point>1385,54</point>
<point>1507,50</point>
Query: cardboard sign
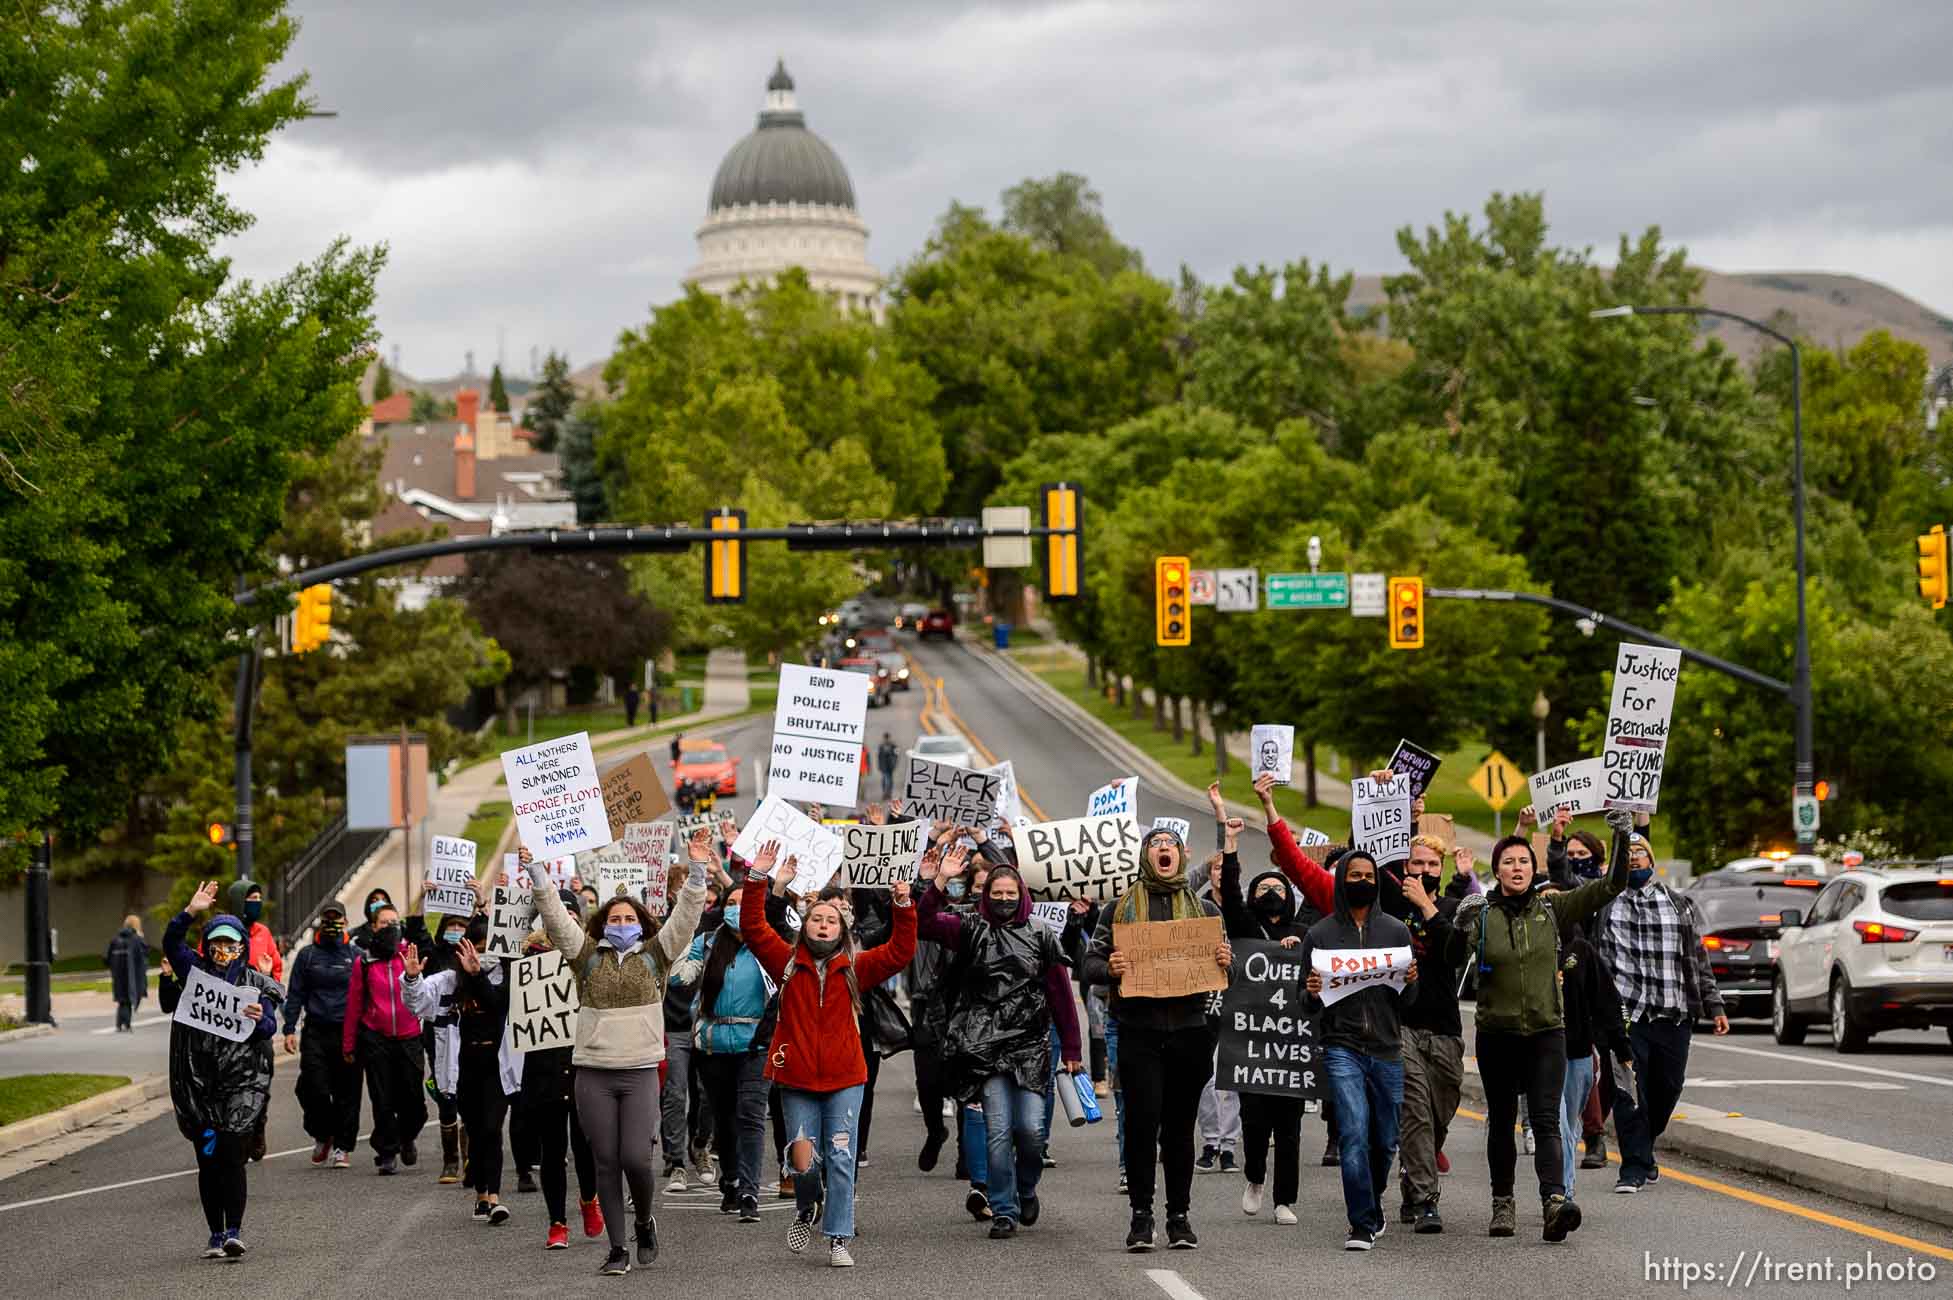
<point>875,857</point>
<point>1178,825</point>
<point>1093,858</point>
<point>451,872</point>
<point>1346,970</point>
<point>215,1007</point>
<point>1380,817</point>
<point>632,793</point>
<point>1575,786</point>
<point>542,1003</point>
<point>1119,799</point>
<point>511,917</point>
<point>1637,725</point>
<point>1052,916</point>
<point>1271,748</point>
<point>817,848</point>
<point>1009,806</point>
<point>819,727</point>
<point>1268,1042</point>
<point>1170,959</point>
<point>559,803</point>
<point>938,792</point>
<point>1441,827</point>
<point>1415,762</point>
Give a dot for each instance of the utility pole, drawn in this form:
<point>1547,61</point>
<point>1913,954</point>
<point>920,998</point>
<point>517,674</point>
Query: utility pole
<point>40,946</point>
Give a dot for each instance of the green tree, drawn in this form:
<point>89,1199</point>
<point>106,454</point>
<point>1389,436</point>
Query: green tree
<point>554,399</point>
<point>427,408</point>
<point>382,381</point>
<point>498,392</point>
<point>1269,347</point>
<point>581,474</point>
<point>1065,215</point>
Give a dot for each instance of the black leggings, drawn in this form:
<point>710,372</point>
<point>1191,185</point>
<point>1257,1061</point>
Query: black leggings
<point>873,1059</point>
<point>552,1126</point>
<point>1161,1073</point>
<point>929,1091</point>
<point>483,1103</point>
<point>220,1179</point>
<point>1281,1118</point>
<point>1535,1065</point>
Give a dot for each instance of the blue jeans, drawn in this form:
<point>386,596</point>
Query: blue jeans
<point>975,1132</point>
<point>1367,1093</point>
<point>1049,1096</point>
<point>1015,1155</point>
<point>1118,1093</point>
<point>1573,1100</point>
<point>826,1119</point>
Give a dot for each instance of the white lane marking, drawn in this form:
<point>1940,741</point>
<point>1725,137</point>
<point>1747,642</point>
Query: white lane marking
<point>1866,1084</point>
<point>1799,1059</point>
<point>138,1024</point>
<point>1173,1284</point>
<point>133,1182</point>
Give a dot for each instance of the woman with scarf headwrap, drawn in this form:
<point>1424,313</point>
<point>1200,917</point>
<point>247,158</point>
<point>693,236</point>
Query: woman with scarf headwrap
<point>1166,1050</point>
<point>219,1087</point>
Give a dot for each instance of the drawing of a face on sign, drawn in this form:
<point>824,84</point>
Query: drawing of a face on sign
<point>1269,758</point>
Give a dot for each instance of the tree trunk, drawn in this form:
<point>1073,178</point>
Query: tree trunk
<point>1138,701</point>
<point>1092,671</point>
<point>1179,726</point>
<point>1159,709</point>
<point>1309,773</point>
<point>1118,689</point>
<point>1220,750</point>
<point>1195,729</point>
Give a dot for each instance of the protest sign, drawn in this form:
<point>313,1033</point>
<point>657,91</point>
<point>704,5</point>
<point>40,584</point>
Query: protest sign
<point>1415,762</point>
<point>939,792</point>
<point>511,916</point>
<point>215,1007</point>
<point>559,803</point>
<point>1052,916</point>
<point>817,848</point>
<point>615,873</point>
<point>875,857</point>
<point>1380,817</point>
<point>650,843</point>
<point>1312,838</point>
<point>514,874</point>
<point>542,1003</point>
<point>1178,825</point>
<point>632,793</point>
<point>1271,748</point>
<point>451,873</point>
<point>687,823</point>
<point>1268,1043</point>
<point>1120,798</point>
<point>557,871</point>
<point>1170,959</point>
<point>1345,970</point>
<point>1574,786</point>
<point>1637,725</point>
<point>1441,827</point>
<point>1093,858</point>
<point>1009,807</point>
<point>819,727</point>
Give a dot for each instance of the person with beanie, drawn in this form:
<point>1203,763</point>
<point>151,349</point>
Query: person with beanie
<point>1434,1043</point>
<point>328,1086</point>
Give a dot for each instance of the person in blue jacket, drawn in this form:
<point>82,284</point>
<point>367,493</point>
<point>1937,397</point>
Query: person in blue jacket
<point>328,1087</point>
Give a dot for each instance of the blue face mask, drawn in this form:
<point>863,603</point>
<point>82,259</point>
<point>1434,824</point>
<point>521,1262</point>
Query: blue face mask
<point>955,889</point>
<point>732,917</point>
<point>623,936</point>
<point>1640,876</point>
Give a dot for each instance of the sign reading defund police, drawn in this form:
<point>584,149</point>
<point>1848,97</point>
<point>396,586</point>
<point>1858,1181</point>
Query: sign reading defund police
<point>1637,725</point>
<point>1093,858</point>
<point>559,802</point>
<point>1268,1045</point>
<point>818,730</point>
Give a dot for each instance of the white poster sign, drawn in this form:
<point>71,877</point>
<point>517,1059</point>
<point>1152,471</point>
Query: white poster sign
<point>650,843</point>
<point>542,1003</point>
<point>817,847</point>
<point>511,916</point>
<point>1380,817</point>
<point>875,857</point>
<point>1119,799</point>
<point>1313,838</point>
<point>1348,970</point>
<point>216,1007</point>
<point>1574,786</point>
<point>451,872</point>
<point>961,796</point>
<point>1271,748</point>
<point>1052,916</point>
<point>1093,858</point>
<point>616,873</point>
<point>819,727</point>
<point>1178,825</point>
<point>1009,806</point>
<point>559,802</point>
<point>1637,725</point>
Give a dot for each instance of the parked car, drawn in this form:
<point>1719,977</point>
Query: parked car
<point>897,667</point>
<point>909,617</point>
<point>879,685</point>
<point>707,762</point>
<point>1797,864</point>
<point>1739,914</point>
<point>948,748</point>
<point>1874,952</point>
<point>938,622</point>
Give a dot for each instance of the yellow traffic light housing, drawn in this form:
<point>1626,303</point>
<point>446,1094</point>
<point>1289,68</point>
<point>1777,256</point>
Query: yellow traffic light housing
<point>1062,508</point>
<point>1172,626</point>
<point>1406,613</point>
<point>312,619</point>
<point>725,562</point>
<point>1933,570</point>
<point>220,834</point>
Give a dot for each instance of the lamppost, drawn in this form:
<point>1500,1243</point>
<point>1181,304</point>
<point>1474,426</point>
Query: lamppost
<point>1541,707</point>
<point>1800,682</point>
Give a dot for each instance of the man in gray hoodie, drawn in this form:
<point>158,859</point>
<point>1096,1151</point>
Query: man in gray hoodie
<point>1361,1037</point>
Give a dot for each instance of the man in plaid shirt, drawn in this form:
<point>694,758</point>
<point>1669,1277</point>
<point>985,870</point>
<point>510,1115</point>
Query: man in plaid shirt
<point>1661,970</point>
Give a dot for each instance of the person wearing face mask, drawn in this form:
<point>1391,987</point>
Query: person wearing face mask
<point>816,1054</point>
<point>621,962</point>
<point>328,1087</point>
<point>1166,1048</point>
<point>1573,859</point>
<point>441,1034</point>
<point>1648,939</point>
<point>375,899</point>
<point>929,1017</point>
<point>219,1088</point>
<point>483,1074</point>
<point>1514,937</point>
<point>382,1034</point>
<point>548,1107</point>
<point>1433,1033</point>
<point>246,901</point>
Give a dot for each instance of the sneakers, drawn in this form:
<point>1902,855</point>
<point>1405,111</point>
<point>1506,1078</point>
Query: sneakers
<point>1625,1186</point>
<point>320,1151</point>
<point>1332,1154</point>
<point>341,1159</point>
<point>1561,1217</point>
<point>1428,1221</point>
<point>410,1155</point>
<point>801,1234</point>
<point>1505,1219</point>
<point>1596,1156</point>
<point>1532,1143</point>
<point>481,1209</point>
<point>384,1166</point>
<point>729,1202</point>
<point>861,1161</point>
<point>1407,1212</point>
<point>1044,1158</point>
<point>1028,1212</point>
<point>837,1254</point>
<point>1180,1233</point>
<point>233,1244</point>
<point>1251,1199</point>
<point>932,1147</point>
<point>1102,1088</point>
<point>616,1263</point>
<point>1001,1228</point>
<point>1444,1163</point>
<point>593,1217</point>
<point>1654,1175</point>
<point>498,1214</point>
<point>677,1183</point>
<point>785,1188</point>
<point>749,1209</point>
<point>559,1237</point>
<point>1209,1161</point>
<point>525,1181</point>
<point>1359,1239</point>
<point>977,1205</point>
<point>1285,1216</point>
<point>450,1155</point>
<point>1227,1163</point>
<point>1122,1178</point>
<point>215,1250</point>
<point>647,1243</point>
<point>257,1146</point>
<point>1140,1238</point>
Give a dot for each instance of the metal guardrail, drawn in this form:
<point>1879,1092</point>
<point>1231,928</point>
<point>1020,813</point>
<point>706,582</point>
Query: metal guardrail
<point>321,872</point>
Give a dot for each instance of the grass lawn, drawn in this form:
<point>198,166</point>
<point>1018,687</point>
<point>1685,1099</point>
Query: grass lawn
<point>27,1095</point>
<point>485,826</point>
<point>551,725</point>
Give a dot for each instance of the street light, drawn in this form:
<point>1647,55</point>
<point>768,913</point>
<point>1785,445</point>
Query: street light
<point>1800,682</point>
<point>1541,707</point>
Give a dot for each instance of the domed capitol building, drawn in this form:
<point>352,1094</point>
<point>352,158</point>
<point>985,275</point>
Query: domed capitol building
<point>782,198</point>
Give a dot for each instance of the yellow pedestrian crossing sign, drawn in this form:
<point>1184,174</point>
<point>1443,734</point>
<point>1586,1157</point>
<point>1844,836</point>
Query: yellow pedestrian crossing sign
<point>1497,780</point>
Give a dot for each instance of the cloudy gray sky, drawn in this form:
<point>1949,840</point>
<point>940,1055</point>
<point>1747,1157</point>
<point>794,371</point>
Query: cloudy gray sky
<point>539,170</point>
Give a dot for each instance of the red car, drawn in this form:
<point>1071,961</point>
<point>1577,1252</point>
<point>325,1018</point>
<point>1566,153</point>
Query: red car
<point>938,622</point>
<point>708,761</point>
<point>879,684</point>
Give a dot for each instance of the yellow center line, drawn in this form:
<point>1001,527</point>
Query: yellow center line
<point>941,703</point>
<point>1781,1206</point>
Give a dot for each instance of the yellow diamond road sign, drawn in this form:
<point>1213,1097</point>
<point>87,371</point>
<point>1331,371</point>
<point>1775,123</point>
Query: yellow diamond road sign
<point>1497,780</point>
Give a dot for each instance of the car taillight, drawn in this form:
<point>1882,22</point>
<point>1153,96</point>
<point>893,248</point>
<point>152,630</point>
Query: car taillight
<point>1716,943</point>
<point>1880,932</point>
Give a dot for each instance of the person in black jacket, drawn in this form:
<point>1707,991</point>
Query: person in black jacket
<point>479,996</point>
<point>1595,1021</point>
<point>328,1085</point>
<point>548,1105</point>
<point>128,961</point>
<point>1434,1043</point>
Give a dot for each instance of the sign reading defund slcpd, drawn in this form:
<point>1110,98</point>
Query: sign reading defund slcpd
<point>1093,858</point>
<point>559,803</point>
<point>1637,725</point>
<point>819,727</point>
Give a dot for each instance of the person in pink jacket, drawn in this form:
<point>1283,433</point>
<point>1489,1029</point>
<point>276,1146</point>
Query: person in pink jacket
<point>382,1036</point>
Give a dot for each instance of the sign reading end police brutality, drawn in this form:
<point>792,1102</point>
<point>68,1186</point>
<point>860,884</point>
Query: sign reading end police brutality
<point>1093,858</point>
<point>1268,1043</point>
<point>1637,725</point>
<point>819,727</point>
<point>559,803</point>
<point>1380,817</point>
<point>210,1004</point>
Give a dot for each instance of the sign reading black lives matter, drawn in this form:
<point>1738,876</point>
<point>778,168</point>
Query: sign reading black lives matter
<point>1267,1045</point>
<point>559,802</point>
<point>542,1003</point>
<point>1380,817</point>
<point>939,792</point>
<point>1093,858</point>
<point>875,857</point>
<point>1637,725</point>
<point>819,727</point>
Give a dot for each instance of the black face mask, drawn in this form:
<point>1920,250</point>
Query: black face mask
<point>330,935</point>
<point>1359,893</point>
<point>1273,905</point>
<point>1001,911</point>
<point>1431,884</point>
<point>253,909</point>
<point>385,940</point>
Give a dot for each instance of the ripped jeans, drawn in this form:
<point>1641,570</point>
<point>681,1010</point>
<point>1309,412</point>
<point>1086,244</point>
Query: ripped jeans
<point>828,1120</point>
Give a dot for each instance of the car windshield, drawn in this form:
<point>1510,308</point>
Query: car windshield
<point>1920,900</point>
<point>939,745</point>
<point>703,754</point>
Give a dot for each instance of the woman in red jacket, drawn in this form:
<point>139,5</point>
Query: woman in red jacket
<point>816,1055</point>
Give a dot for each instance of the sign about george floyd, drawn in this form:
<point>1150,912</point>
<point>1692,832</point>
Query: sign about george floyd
<point>1268,1043</point>
<point>215,1007</point>
<point>542,1003</point>
<point>1093,858</point>
<point>1637,725</point>
<point>819,727</point>
<point>511,916</point>
<point>1346,970</point>
<point>451,872</point>
<point>559,803</point>
<point>632,793</point>
<point>1380,817</point>
<point>816,848</point>
<point>1170,959</point>
<point>1574,786</point>
<point>1272,749</point>
<point>1415,762</point>
<point>875,857</point>
<point>1118,799</point>
<point>938,792</point>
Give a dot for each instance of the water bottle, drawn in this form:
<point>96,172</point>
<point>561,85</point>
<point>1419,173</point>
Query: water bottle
<point>1081,1105</point>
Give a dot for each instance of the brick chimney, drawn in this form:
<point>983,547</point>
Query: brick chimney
<point>464,463</point>
<point>467,405</point>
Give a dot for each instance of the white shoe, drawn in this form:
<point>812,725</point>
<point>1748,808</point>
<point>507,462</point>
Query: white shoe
<point>1285,1216</point>
<point>837,1254</point>
<point>1532,1143</point>
<point>677,1183</point>
<point>1251,1199</point>
<point>917,1103</point>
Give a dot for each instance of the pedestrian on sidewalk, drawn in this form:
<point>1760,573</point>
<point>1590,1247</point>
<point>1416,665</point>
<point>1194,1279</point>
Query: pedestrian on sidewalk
<point>328,1085</point>
<point>382,1034</point>
<point>886,757</point>
<point>128,961</point>
<point>631,696</point>
<point>219,1088</point>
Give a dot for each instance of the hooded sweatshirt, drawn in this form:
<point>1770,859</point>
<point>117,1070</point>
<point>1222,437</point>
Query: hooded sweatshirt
<point>1367,1020</point>
<point>263,942</point>
<point>1245,920</point>
<point>320,975</point>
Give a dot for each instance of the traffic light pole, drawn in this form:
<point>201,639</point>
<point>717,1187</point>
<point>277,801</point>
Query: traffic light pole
<point>245,707</point>
<point>40,938</point>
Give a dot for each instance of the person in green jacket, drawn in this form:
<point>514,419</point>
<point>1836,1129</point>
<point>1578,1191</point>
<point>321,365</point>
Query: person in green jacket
<point>1513,936</point>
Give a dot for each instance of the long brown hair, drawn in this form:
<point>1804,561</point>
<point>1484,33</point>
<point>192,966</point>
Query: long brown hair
<point>846,945</point>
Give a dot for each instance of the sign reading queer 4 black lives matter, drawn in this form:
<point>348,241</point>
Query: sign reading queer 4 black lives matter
<point>1268,1044</point>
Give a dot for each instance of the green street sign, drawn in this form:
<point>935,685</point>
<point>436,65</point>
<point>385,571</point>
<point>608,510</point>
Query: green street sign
<point>1308,591</point>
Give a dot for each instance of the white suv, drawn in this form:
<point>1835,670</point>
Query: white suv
<point>1876,952</point>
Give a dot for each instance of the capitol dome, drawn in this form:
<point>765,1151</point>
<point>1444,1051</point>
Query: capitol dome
<point>783,198</point>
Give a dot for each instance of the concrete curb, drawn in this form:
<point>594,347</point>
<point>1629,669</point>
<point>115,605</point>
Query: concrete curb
<point>25,1032</point>
<point>1851,1171</point>
<point>92,1110</point>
